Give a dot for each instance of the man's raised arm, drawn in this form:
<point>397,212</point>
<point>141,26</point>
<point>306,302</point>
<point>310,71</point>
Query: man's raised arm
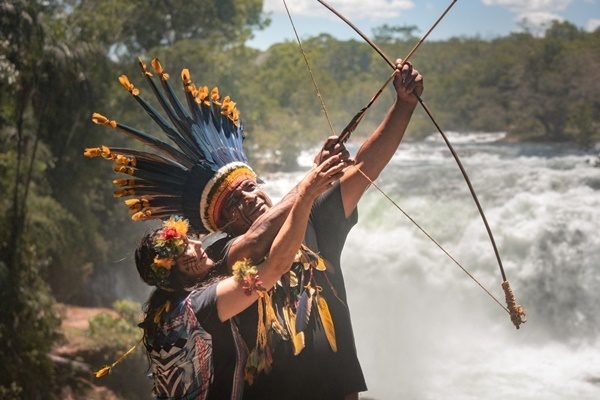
<point>375,152</point>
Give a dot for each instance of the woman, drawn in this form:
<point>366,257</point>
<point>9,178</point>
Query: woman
<point>194,349</point>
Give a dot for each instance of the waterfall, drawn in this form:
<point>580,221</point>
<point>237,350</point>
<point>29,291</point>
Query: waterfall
<point>423,329</point>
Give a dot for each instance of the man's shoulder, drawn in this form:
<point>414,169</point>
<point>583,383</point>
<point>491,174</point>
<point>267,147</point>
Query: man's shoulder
<point>331,197</point>
<point>218,249</point>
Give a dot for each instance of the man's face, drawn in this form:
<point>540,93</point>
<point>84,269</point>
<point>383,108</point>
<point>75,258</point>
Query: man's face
<point>243,206</point>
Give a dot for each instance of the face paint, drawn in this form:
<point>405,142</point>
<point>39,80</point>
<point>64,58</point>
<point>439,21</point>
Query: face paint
<point>194,263</point>
<point>245,204</point>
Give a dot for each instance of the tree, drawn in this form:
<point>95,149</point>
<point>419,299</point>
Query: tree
<point>28,323</point>
<point>138,26</point>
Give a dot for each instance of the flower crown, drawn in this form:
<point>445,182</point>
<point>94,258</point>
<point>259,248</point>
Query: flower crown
<point>168,243</point>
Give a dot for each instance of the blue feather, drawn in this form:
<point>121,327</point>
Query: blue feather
<point>186,146</point>
<point>303,310</point>
<point>156,143</point>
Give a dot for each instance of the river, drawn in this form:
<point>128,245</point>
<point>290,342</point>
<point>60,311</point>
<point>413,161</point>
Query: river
<point>423,329</point>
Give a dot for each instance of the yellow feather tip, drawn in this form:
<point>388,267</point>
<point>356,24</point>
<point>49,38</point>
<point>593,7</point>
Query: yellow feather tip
<point>327,322</point>
<point>123,192</point>
<point>122,182</point>
<point>137,205</point>
<point>124,160</point>
<point>124,81</point>
<point>185,76</point>
<point>214,95</point>
<point>105,152</point>
<point>155,62</point>
<point>101,372</point>
<point>201,95</point>
<point>141,215</point>
<point>143,67</point>
<point>124,170</point>
<point>92,152</point>
<point>100,119</point>
<point>132,202</point>
<point>159,69</point>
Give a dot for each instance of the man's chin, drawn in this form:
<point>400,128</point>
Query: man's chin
<point>250,218</point>
<point>259,212</point>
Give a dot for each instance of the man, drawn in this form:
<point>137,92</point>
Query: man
<point>321,369</point>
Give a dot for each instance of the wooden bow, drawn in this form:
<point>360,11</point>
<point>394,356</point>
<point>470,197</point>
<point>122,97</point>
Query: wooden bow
<point>516,311</point>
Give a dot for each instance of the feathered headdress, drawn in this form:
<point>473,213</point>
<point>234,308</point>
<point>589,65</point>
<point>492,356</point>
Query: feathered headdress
<point>192,179</point>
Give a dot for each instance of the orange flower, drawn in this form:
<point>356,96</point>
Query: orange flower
<point>180,226</point>
<point>166,263</point>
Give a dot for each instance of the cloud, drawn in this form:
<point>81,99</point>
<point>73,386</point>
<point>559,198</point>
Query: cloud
<point>530,5</point>
<point>592,24</point>
<point>538,13</point>
<point>354,9</point>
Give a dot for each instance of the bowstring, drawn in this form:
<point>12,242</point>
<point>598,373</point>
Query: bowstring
<point>371,182</point>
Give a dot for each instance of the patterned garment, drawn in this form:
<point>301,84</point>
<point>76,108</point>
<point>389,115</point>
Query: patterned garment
<point>181,356</point>
<point>196,356</point>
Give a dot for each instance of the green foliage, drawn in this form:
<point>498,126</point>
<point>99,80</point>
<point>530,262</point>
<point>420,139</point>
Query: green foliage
<point>137,26</point>
<point>113,337</point>
<point>28,327</point>
<point>11,392</point>
<point>117,333</point>
<point>129,310</point>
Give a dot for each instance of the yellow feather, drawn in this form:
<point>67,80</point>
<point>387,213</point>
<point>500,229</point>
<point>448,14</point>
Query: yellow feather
<point>92,152</point>
<point>327,322</point>
<point>124,81</point>
<point>214,95</point>
<point>138,216</point>
<point>320,264</point>
<point>297,338</point>
<point>185,76</point>
<point>102,120</point>
<point>101,372</point>
<point>121,182</point>
<point>159,69</point>
<point>124,192</point>
<point>123,169</point>
<point>299,343</point>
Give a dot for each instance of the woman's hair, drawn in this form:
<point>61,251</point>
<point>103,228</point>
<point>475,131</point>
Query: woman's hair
<point>144,258</point>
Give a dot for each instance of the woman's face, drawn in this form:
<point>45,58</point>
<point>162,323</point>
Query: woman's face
<point>194,264</point>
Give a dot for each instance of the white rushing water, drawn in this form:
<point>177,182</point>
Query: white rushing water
<point>423,329</point>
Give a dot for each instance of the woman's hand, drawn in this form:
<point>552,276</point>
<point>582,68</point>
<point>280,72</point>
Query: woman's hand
<point>330,148</point>
<point>322,176</point>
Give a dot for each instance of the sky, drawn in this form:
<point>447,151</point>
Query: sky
<point>485,18</point>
